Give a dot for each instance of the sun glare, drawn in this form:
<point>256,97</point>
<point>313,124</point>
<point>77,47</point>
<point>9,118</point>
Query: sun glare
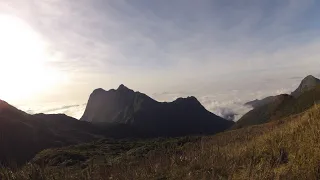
<point>22,60</point>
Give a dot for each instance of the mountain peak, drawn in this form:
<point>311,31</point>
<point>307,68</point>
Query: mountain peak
<point>310,78</point>
<point>122,87</point>
<point>306,84</point>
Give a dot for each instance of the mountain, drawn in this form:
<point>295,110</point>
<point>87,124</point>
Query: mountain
<point>23,135</point>
<point>306,84</point>
<point>276,107</point>
<point>184,116</point>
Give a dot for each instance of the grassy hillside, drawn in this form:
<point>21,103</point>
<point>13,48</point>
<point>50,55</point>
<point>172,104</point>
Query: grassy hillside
<point>282,149</point>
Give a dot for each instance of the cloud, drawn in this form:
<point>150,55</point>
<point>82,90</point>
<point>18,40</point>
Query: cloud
<point>227,114</point>
<point>60,108</point>
<point>224,52</point>
<point>122,37</point>
<point>75,111</point>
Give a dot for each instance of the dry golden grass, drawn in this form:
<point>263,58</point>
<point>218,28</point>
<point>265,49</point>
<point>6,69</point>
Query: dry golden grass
<point>284,149</point>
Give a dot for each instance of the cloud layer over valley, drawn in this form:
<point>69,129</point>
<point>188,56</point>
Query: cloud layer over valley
<point>226,103</point>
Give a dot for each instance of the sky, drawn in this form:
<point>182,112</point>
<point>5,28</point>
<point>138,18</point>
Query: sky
<point>54,53</point>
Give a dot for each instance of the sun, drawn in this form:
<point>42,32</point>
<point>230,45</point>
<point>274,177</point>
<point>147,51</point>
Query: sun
<point>23,61</point>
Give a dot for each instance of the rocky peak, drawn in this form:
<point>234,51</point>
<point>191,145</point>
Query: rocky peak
<point>310,79</point>
<point>306,84</point>
<point>123,88</point>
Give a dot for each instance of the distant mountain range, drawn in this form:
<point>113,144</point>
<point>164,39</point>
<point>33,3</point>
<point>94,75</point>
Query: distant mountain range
<point>280,106</point>
<point>136,118</point>
<point>124,113</point>
<point>184,116</point>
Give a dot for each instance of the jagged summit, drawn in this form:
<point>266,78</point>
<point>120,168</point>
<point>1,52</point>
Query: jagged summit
<point>306,84</point>
<point>122,87</point>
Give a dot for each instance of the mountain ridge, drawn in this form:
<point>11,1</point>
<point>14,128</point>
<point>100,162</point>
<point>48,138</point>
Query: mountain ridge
<point>126,106</point>
<point>22,135</point>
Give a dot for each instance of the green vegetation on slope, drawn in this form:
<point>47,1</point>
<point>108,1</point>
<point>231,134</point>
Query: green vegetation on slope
<point>282,149</point>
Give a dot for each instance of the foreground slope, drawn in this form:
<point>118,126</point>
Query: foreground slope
<point>184,116</point>
<point>283,149</point>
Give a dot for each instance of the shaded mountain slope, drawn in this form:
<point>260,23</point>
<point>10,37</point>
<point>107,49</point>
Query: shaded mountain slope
<point>69,128</point>
<point>184,116</point>
<point>23,135</point>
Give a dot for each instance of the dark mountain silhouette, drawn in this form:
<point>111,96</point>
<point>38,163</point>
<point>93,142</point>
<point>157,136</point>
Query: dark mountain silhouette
<point>308,83</point>
<point>23,135</point>
<point>123,106</point>
<point>281,106</point>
